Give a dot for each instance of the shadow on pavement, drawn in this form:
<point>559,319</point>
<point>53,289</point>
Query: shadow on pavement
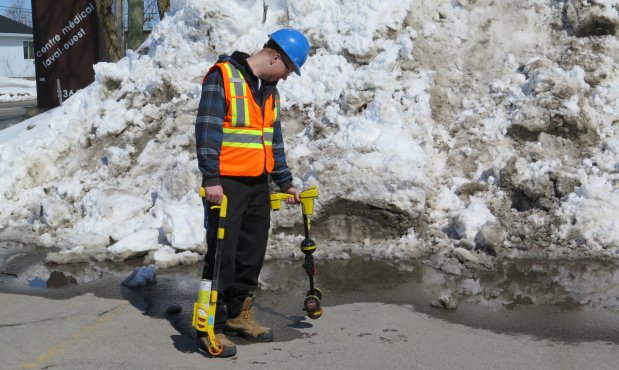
<point>570,301</point>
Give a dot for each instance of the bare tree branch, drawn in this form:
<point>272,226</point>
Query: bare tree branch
<point>8,65</point>
<point>17,11</point>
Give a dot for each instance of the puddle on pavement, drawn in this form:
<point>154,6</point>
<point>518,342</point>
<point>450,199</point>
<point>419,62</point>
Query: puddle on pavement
<point>563,300</point>
<point>57,279</point>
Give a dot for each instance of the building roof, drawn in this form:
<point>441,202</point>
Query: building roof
<point>7,25</point>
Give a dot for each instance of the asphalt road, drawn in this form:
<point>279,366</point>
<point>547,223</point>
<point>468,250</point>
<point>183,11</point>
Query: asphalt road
<point>88,332</point>
<point>15,112</point>
<point>375,317</point>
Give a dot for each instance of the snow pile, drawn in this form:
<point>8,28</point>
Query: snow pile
<point>465,129</point>
<point>16,89</point>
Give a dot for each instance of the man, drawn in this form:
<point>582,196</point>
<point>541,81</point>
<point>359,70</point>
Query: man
<point>239,144</point>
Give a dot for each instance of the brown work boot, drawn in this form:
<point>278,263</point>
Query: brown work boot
<point>244,325</point>
<point>229,346</point>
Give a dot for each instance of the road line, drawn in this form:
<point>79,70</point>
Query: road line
<point>58,349</point>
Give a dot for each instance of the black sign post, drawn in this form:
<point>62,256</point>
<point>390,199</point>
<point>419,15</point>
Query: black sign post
<point>66,45</point>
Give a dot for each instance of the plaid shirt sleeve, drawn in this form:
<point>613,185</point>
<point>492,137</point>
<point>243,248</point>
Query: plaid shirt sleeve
<point>281,174</point>
<point>209,129</point>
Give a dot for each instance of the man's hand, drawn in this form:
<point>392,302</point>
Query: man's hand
<point>296,198</point>
<point>214,194</point>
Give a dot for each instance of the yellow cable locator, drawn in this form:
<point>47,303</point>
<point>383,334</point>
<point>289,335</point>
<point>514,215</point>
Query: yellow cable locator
<point>204,308</point>
<point>311,304</point>
<point>307,199</point>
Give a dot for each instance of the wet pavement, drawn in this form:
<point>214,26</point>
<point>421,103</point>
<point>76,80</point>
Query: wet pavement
<point>14,112</point>
<point>569,301</point>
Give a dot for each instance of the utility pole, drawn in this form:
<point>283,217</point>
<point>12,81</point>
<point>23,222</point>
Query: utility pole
<point>136,24</point>
<point>119,17</point>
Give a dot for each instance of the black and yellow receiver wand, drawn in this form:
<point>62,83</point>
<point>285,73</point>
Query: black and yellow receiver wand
<point>204,309</point>
<point>311,304</point>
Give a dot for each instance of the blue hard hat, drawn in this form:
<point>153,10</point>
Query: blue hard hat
<point>294,44</point>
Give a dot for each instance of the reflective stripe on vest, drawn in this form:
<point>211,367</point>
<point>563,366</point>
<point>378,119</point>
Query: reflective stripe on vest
<point>238,90</point>
<point>268,135</point>
<point>245,138</point>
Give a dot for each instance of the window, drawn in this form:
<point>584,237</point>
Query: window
<point>28,49</point>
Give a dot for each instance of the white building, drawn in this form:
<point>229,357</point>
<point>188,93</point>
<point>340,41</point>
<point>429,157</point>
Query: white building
<point>16,49</point>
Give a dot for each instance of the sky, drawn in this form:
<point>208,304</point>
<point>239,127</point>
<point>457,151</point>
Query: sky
<point>424,136</point>
<point>10,3</point>
<point>24,16</point>
<point>4,4</point>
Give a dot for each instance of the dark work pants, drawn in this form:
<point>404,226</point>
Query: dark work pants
<point>245,241</point>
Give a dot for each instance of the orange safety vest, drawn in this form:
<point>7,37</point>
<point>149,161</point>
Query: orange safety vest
<point>247,146</point>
